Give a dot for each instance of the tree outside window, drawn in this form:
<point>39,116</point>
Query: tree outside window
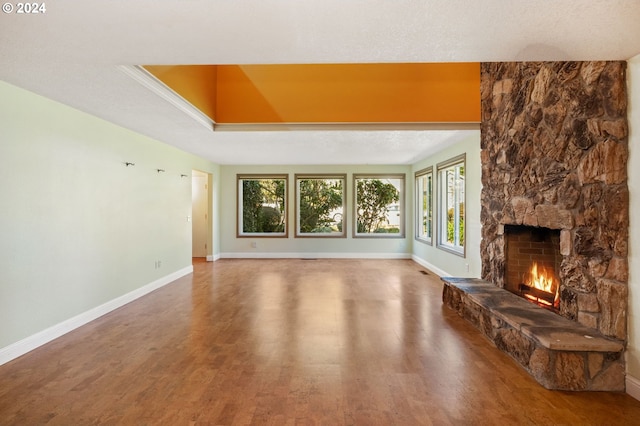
<point>320,205</point>
<point>262,205</point>
<point>451,176</point>
<point>379,211</point>
<point>424,205</point>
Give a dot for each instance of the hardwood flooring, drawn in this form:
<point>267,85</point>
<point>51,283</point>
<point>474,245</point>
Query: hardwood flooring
<point>283,342</point>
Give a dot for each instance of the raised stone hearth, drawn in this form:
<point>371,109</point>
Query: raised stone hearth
<point>559,353</point>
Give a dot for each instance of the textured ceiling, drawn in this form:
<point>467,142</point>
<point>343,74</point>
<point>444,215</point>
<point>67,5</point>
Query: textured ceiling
<point>72,54</point>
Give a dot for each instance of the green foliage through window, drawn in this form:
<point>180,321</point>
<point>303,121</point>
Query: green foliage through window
<point>451,176</point>
<point>263,204</point>
<point>320,205</point>
<point>378,205</point>
<point>424,204</point>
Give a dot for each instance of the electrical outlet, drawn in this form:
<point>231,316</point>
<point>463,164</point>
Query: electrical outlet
<point>467,265</point>
<point>254,244</point>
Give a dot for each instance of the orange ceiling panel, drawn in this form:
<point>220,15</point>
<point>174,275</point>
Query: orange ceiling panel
<point>195,83</point>
<point>331,93</point>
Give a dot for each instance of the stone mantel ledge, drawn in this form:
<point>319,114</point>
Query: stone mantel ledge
<point>550,330</point>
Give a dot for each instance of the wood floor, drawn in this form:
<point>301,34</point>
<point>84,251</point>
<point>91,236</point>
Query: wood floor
<point>283,342</point>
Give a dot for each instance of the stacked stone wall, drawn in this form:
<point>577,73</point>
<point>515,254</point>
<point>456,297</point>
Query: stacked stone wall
<point>554,155</point>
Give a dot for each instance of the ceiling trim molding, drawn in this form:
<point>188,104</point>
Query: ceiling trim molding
<point>244,127</point>
<point>146,79</point>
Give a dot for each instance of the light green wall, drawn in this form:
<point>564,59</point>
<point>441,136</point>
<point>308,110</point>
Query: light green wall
<point>231,246</point>
<point>78,228</point>
<point>633,317</point>
<point>443,261</point>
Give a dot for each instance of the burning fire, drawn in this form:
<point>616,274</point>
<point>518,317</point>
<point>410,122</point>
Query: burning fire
<point>544,285</point>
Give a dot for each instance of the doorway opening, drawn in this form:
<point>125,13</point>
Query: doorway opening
<point>200,216</point>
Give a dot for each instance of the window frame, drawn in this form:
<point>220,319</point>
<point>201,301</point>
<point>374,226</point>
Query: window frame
<point>420,235</point>
<point>401,206</point>
<point>330,176</point>
<point>442,243</point>
<point>240,178</point>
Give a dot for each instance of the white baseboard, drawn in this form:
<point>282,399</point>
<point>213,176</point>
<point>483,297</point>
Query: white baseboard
<point>213,258</point>
<point>34,341</point>
<point>429,266</point>
<point>280,255</point>
<point>633,387</point>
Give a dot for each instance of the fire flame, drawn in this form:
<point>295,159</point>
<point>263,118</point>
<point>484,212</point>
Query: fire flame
<point>542,279</point>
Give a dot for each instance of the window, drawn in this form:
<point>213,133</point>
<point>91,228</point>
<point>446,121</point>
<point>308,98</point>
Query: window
<point>320,205</point>
<point>451,183</point>
<point>379,208</point>
<point>262,205</point>
<point>424,205</point>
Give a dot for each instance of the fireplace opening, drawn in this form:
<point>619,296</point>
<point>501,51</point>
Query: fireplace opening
<point>532,263</point>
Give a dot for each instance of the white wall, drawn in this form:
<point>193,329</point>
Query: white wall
<point>633,315</point>
<point>78,228</point>
<point>440,261</point>
<point>231,246</point>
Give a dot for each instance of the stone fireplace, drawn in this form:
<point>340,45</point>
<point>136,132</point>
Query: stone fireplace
<point>554,154</point>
